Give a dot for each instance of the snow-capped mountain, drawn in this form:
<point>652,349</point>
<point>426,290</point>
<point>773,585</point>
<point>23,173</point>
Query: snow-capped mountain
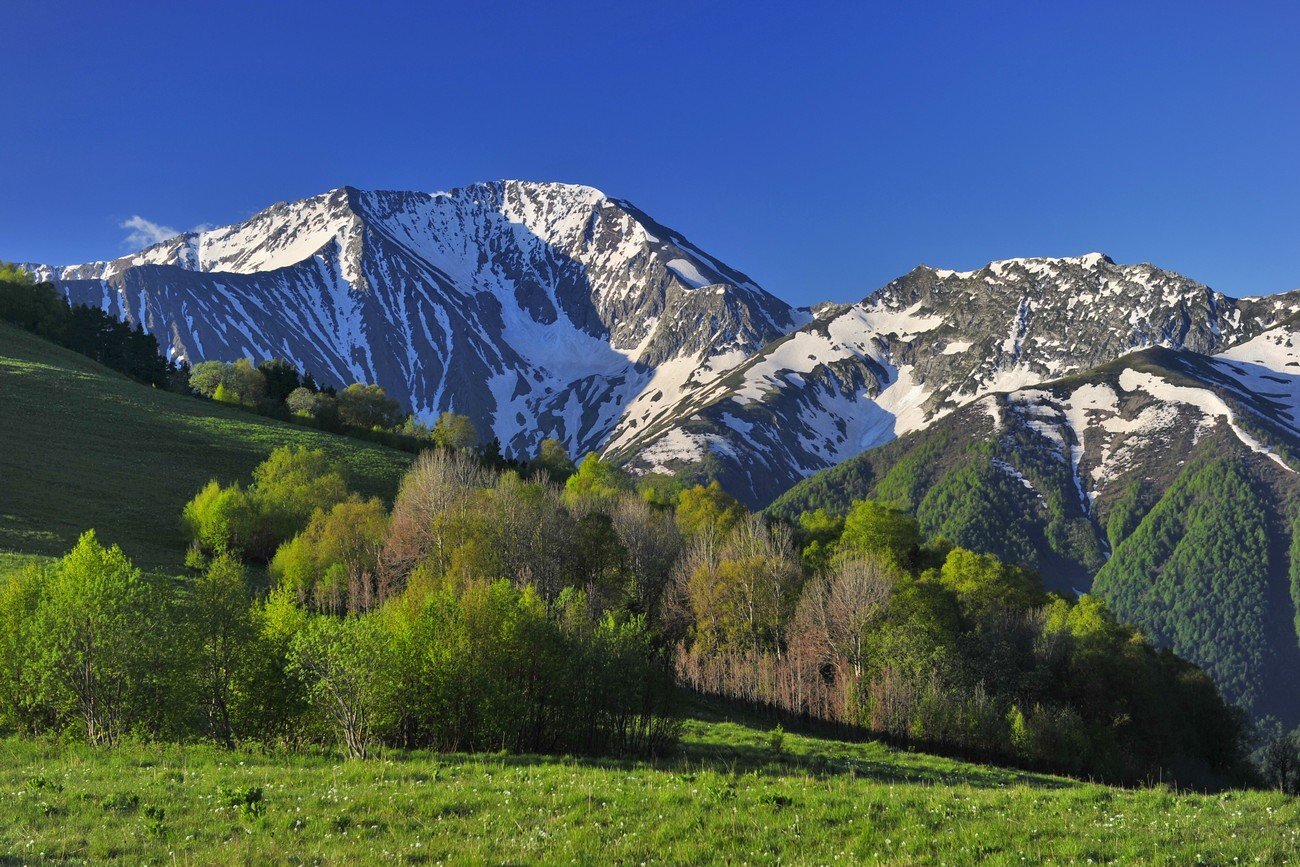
<point>537,309</point>
<point>929,342</point>
<point>553,310</point>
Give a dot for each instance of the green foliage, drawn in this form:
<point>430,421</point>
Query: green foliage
<point>493,667</point>
<point>368,406</point>
<point>11,273</point>
<point>343,663</point>
<point>982,582</point>
<point>937,644</point>
<point>41,309</point>
<point>223,519</point>
<point>95,639</point>
<point>281,378</point>
<point>997,496</point>
<point>553,460</point>
<point>239,382</point>
<point>661,490</point>
<point>710,509</point>
<point>291,484</point>
<point>287,489</point>
<point>1195,574</point>
<point>457,432</point>
<point>314,404</point>
<point>596,479</point>
<point>85,447</point>
<point>877,529</point>
<point>741,593</point>
<point>334,561</point>
<point>819,533</point>
<point>908,479</point>
<point>776,740</point>
<point>1127,512</point>
<point>982,509</point>
<point>222,637</point>
<point>20,595</point>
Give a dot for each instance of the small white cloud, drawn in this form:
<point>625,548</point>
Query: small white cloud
<point>146,232</point>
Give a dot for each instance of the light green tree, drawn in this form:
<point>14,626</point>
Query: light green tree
<point>344,662</point>
<point>455,431</point>
<point>95,633</point>
<point>220,625</point>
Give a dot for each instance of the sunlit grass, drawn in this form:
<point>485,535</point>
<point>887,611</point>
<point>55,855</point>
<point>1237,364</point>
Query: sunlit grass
<point>725,796</point>
<point>83,447</point>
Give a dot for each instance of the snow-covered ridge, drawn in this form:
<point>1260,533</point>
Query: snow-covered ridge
<point>555,310</point>
<point>1040,265</point>
<point>539,309</point>
<point>930,342</point>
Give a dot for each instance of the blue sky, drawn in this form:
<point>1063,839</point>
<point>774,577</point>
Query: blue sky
<point>822,148</point>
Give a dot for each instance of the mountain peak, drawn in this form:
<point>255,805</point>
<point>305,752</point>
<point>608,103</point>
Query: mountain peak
<point>1088,262</point>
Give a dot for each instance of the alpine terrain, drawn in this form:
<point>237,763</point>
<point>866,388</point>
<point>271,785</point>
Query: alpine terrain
<point>1116,427</point>
<point>552,310</point>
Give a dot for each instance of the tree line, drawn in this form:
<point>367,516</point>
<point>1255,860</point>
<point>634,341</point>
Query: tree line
<point>932,644</point>
<point>343,645</point>
<point>554,607</point>
<point>42,310</point>
<point>276,388</point>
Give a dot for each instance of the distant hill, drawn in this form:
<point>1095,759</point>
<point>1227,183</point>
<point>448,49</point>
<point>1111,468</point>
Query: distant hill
<point>82,446</point>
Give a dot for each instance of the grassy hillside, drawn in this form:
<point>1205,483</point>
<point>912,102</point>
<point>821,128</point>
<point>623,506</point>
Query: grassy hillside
<point>727,796</point>
<point>82,447</point>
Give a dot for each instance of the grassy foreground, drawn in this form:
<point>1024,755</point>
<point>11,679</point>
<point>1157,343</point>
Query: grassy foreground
<point>728,796</point>
<point>82,446</point>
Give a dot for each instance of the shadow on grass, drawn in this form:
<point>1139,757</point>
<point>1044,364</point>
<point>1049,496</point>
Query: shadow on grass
<point>724,738</point>
<point>719,737</point>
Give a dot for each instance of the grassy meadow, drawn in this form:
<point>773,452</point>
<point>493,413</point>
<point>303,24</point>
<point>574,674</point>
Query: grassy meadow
<point>728,795</point>
<point>85,447</point>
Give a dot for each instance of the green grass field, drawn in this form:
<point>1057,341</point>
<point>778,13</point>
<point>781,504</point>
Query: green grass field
<point>83,447</point>
<point>727,796</point>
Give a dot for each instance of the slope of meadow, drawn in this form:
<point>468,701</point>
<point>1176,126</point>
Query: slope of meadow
<point>728,795</point>
<point>84,447</point>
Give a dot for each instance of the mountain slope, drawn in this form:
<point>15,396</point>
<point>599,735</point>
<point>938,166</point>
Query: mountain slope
<point>85,447</point>
<point>926,344</point>
<point>1167,476</point>
<point>537,309</point>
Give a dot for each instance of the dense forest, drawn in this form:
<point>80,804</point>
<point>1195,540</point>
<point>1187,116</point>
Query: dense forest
<point>42,309</point>
<point>1193,542</point>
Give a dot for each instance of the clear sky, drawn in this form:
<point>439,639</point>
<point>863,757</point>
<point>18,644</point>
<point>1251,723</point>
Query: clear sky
<point>822,148</point>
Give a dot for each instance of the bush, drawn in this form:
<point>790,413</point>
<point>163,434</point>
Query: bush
<point>288,487</point>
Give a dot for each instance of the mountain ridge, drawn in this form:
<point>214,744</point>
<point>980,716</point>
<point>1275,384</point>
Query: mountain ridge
<point>549,309</point>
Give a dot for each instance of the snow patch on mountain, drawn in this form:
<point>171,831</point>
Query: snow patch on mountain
<point>1209,403</point>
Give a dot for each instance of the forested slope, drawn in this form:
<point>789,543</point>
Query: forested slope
<point>1155,475</point>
